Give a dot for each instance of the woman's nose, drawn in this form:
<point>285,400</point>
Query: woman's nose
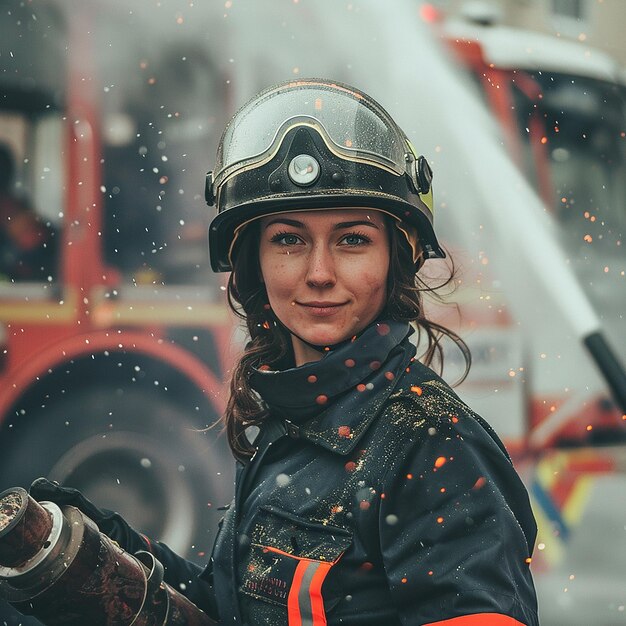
<point>321,268</point>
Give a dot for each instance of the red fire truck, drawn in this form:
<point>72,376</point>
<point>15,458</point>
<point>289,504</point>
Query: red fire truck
<point>560,106</point>
<point>114,342</point>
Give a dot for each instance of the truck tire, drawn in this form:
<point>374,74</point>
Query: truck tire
<point>128,450</point>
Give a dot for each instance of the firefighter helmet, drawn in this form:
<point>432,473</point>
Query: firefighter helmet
<point>316,144</point>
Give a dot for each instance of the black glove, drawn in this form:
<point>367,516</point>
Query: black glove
<point>177,569</point>
<point>110,523</point>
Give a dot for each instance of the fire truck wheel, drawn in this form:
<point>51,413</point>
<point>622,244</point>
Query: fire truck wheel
<point>128,450</point>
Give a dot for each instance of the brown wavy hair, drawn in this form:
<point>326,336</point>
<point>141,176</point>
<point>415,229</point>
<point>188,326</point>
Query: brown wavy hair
<point>270,342</point>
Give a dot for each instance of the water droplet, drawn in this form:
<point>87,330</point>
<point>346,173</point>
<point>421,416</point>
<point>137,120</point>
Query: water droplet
<point>282,480</point>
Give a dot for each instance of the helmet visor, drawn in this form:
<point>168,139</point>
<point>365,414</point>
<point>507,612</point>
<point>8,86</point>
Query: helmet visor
<point>353,125</point>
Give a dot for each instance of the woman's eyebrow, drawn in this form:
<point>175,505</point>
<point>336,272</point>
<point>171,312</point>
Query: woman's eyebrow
<point>341,225</point>
<point>338,226</point>
<point>285,220</point>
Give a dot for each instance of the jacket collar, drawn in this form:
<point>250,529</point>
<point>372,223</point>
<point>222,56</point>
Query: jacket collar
<point>331,402</point>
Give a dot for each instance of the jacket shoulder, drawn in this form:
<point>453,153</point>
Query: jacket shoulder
<point>429,395</point>
<point>423,399</point>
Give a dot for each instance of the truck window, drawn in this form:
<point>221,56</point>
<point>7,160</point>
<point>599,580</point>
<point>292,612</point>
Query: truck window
<point>155,144</point>
<point>583,124</point>
<point>31,196</point>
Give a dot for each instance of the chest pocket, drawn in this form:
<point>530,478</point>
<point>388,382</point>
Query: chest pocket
<point>288,562</point>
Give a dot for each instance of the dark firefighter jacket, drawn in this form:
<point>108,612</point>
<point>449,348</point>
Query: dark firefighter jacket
<point>376,496</point>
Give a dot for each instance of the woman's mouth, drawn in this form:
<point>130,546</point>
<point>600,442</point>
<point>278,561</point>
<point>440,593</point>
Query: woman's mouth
<point>322,308</point>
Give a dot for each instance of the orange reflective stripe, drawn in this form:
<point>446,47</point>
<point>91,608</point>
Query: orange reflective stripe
<point>305,604</point>
<point>315,592</point>
<point>293,603</point>
<point>478,619</point>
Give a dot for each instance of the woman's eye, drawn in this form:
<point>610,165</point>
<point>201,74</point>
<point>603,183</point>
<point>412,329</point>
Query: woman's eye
<point>355,240</point>
<point>285,239</point>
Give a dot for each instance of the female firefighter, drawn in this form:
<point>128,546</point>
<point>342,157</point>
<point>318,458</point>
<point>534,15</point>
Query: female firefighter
<point>367,492</point>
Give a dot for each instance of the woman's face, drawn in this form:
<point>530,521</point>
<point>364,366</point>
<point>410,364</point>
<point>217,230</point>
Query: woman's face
<point>325,273</point>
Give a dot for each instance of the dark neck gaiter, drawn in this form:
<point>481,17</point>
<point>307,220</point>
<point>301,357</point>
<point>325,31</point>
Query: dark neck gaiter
<point>368,362</point>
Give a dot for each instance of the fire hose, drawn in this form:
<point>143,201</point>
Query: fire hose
<point>56,566</point>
